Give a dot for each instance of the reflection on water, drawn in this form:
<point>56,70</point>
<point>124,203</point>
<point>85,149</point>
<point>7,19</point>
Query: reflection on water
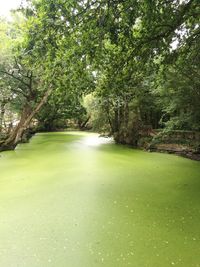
<point>97,140</point>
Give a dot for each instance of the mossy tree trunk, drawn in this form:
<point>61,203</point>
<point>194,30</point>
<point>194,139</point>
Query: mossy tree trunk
<point>24,123</point>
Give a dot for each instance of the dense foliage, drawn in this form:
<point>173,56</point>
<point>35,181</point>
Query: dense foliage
<point>117,66</point>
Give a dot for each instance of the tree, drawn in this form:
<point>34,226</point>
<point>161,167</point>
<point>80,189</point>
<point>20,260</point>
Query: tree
<point>122,51</point>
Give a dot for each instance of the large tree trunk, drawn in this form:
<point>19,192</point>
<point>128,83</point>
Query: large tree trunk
<point>130,126</point>
<point>16,134</point>
<point>2,113</point>
<point>26,117</point>
<point>83,124</point>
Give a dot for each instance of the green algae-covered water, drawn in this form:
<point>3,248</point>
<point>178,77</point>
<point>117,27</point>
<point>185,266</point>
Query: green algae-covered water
<point>76,200</point>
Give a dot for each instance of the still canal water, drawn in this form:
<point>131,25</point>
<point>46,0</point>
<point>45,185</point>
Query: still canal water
<point>76,200</point>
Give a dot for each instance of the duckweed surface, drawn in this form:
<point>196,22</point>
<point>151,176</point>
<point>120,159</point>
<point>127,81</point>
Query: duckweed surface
<point>73,199</point>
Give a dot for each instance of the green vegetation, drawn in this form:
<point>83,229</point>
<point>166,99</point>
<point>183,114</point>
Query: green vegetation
<point>66,199</point>
<point>119,67</point>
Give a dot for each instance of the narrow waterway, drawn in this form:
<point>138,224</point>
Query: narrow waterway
<point>76,200</point>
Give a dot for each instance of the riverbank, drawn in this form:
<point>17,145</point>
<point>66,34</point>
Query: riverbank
<point>175,142</point>
<point>181,143</point>
<point>25,139</point>
<point>180,150</point>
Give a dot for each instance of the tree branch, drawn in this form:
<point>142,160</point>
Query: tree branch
<point>14,77</point>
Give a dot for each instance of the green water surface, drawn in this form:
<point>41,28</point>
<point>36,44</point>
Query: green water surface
<point>76,200</point>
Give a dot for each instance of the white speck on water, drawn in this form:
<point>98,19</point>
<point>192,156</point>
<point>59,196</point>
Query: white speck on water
<point>49,260</point>
<point>43,238</point>
<point>173,263</point>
